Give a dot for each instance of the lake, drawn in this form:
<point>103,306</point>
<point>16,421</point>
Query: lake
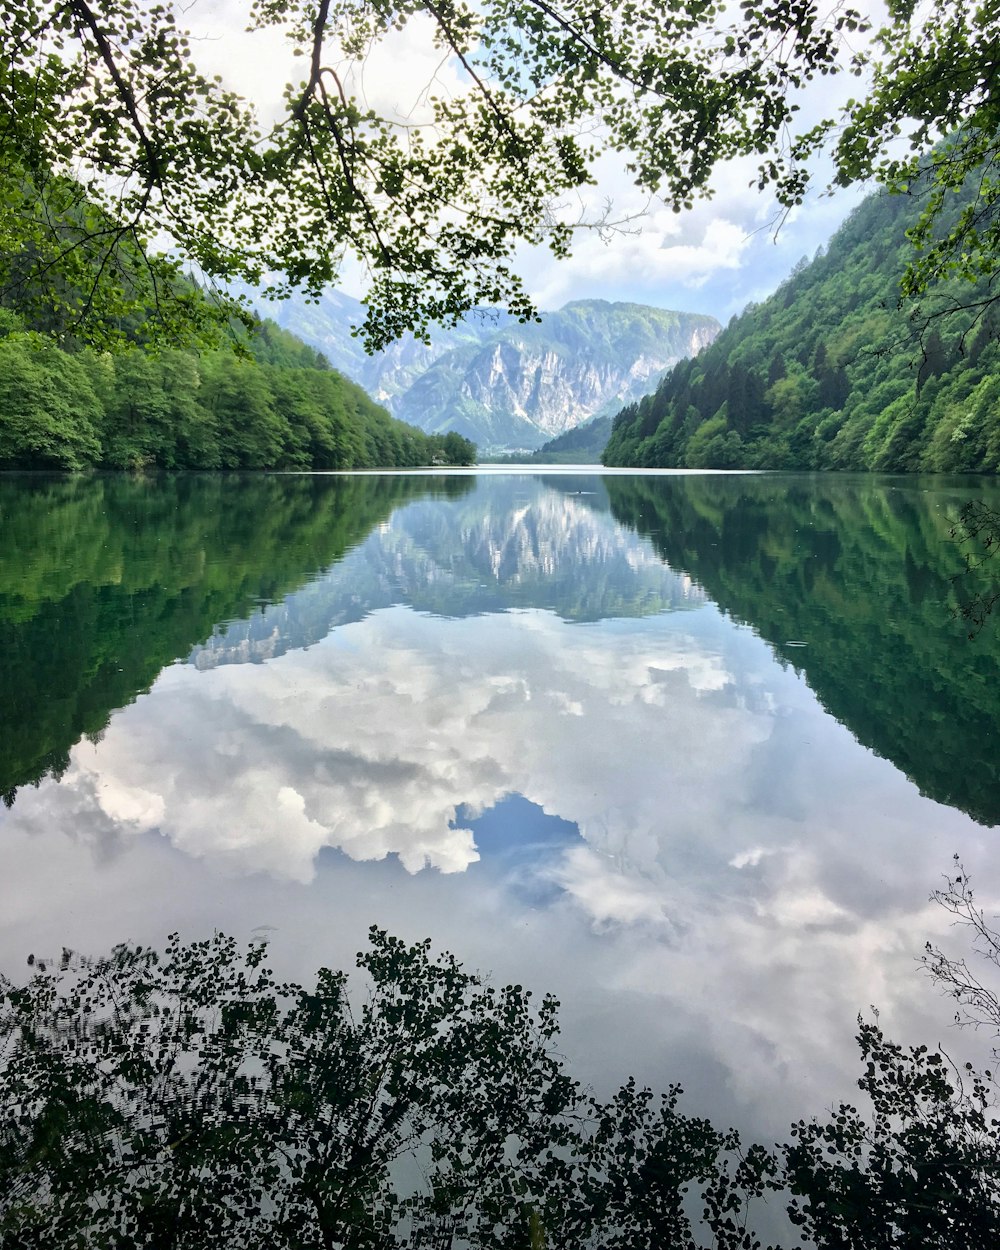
<point>689,750</point>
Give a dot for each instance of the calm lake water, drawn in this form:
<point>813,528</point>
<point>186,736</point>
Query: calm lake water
<point>690,751</point>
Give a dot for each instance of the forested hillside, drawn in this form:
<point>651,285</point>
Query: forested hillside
<point>177,409</point>
<point>831,373</point>
<point>169,378</point>
<point>581,445</point>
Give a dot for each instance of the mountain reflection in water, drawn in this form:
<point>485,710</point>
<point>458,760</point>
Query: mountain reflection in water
<point>377,676</point>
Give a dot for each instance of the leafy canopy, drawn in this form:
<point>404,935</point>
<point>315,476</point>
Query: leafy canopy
<point>191,1100</point>
<point>113,136</point>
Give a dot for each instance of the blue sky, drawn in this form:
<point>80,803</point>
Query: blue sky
<point>715,259</point>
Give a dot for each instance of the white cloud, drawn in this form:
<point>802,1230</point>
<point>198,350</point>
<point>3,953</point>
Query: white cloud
<point>368,743</point>
<point>712,258</point>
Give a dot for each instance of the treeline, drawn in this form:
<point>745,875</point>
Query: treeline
<point>581,445</point>
<point>831,373</point>
<point>284,409</point>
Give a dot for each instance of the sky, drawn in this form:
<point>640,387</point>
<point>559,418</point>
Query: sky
<point>722,254</point>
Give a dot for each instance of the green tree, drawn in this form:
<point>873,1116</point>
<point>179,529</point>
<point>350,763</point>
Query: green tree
<point>49,413</point>
<point>433,205</point>
<point>459,450</point>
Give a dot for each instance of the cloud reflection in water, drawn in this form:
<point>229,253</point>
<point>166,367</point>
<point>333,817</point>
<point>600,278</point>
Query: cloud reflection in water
<point>740,880</point>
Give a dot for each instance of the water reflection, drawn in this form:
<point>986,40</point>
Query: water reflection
<point>523,543</point>
<point>105,580</point>
<point>622,794</point>
<point>189,1099</point>
<point>863,571</point>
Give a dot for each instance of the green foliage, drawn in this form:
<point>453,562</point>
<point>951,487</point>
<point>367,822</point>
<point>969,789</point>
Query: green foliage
<point>72,267</point>
<point>178,410</point>
<point>830,374</point>
<point>433,204</point>
<point>49,413</point>
<point>931,81</point>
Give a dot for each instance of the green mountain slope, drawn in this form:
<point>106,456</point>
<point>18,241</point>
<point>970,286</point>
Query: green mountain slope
<point>830,374</point>
<point>156,383</point>
<point>285,409</point>
<point>581,445</point>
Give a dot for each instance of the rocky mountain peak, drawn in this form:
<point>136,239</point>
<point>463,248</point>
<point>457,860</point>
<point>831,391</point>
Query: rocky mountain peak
<point>508,385</point>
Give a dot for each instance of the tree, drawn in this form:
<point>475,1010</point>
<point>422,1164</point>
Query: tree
<point>190,1100</point>
<point>113,135</point>
<point>458,450</point>
<point>921,1170</point>
<point>49,413</point>
<point>193,1101</point>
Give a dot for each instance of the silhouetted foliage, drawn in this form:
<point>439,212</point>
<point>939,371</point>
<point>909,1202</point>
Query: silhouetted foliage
<point>191,1100</point>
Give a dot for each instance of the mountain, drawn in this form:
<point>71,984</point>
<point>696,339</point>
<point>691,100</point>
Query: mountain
<point>832,373</point>
<point>504,384</point>
<point>581,445</point>
<point>326,325</point>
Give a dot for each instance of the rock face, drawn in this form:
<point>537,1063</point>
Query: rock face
<point>506,385</point>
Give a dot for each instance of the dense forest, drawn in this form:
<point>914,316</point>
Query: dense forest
<point>284,409</point>
<point>831,372</point>
<point>264,400</point>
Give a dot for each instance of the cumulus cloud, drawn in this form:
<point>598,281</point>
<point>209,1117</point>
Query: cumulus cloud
<point>647,262</point>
